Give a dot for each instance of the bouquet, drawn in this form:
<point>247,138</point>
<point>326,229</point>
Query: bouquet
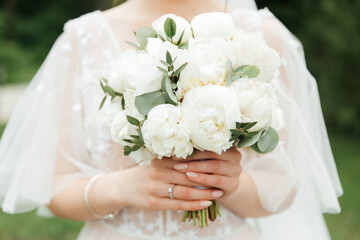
<point>202,85</point>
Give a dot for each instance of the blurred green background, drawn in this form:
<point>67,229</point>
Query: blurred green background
<point>328,29</point>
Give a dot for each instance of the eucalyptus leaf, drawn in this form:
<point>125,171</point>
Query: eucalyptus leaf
<point>170,27</point>
<point>268,141</point>
<point>109,91</point>
<point>248,141</point>
<point>144,103</point>
<point>102,87</point>
<point>168,91</point>
<point>132,44</point>
<point>165,63</point>
<point>127,140</point>
<point>181,37</point>
<point>133,120</point>
<point>127,150</point>
<point>180,69</point>
<point>102,102</point>
<point>168,58</point>
<point>141,136</point>
<point>249,125</point>
<point>250,71</point>
<point>255,148</point>
<point>105,80</point>
<point>135,136</point>
<point>135,148</point>
<point>229,76</point>
<point>236,131</point>
<point>123,103</point>
<point>162,70</point>
<point>184,45</point>
<point>143,33</point>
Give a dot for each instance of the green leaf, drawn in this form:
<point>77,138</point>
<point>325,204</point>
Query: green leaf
<point>229,76</point>
<point>123,103</point>
<point>143,33</point>
<point>180,69</point>
<point>135,136</point>
<point>255,148</point>
<point>181,37</point>
<point>102,102</point>
<point>133,120</point>
<point>249,125</point>
<point>173,85</point>
<point>102,86</point>
<point>135,148</point>
<point>250,71</point>
<point>165,63</point>
<point>163,70</point>
<point>268,141</point>
<point>105,80</point>
<point>132,44</point>
<point>127,140</point>
<point>144,103</point>
<point>236,131</point>
<point>127,150</point>
<point>141,136</point>
<point>170,27</point>
<point>110,91</point>
<point>168,91</point>
<point>168,58</point>
<point>248,141</point>
<point>184,45</point>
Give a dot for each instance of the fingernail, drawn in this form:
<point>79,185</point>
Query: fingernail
<point>205,203</point>
<point>192,174</point>
<point>217,194</point>
<point>181,166</point>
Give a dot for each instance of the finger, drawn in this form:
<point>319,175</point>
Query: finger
<point>171,176</point>
<point>184,192</point>
<point>231,154</point>
<point>209,166</point>
<point>174,204</point>
<point>223,182</point>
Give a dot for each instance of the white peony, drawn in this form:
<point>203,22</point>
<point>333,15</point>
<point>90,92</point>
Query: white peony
<point>165,133</point>
<point>210,112</point>
<point>258,103</point>
<point>139,72</point>
<point>212,25</point>
<point>182,25</point>
<point>112,109</point>
<point>251,49</point>
<point>207,64</point>
<point>142,156</point>
<point>122,129</point>
<point>116,78</point>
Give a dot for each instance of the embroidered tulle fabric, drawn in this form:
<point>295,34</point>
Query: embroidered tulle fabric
<point>81,141</point>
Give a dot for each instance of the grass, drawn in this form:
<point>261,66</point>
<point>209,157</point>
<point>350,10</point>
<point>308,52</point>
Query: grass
<point>341,226</point>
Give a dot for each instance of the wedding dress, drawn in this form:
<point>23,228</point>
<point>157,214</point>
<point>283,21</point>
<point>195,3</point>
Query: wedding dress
<point>57,130</point>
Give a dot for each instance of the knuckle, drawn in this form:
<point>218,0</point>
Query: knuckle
<point>215,165</point>
<point>154,173</point>
<point>235,184</point>
<point>151,187</point>
<point>153,202</point>
<point>216,180</point>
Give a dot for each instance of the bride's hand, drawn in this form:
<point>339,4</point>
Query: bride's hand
<point>146,187</point>
<point>218,171</point>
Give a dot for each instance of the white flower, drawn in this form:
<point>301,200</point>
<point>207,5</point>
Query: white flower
<point>112,110</point>
<point>140,72</point>
<point>117,79</point>
<point>121,128</point>
<point>131,109</point>
<point>165,133</point>
<point>251,49</point>
<point>182,25</point>
<point>207,63</point>
<point>212,25</point>
<point>142,156</point>
<point>258,103</point>
<point>210,112</point>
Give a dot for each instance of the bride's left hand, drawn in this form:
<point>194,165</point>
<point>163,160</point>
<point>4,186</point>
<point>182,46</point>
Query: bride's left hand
<point>218,171</point>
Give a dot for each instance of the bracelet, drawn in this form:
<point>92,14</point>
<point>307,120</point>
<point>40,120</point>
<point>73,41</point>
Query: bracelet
<point>106,217</point>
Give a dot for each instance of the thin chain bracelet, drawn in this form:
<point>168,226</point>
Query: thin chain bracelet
<point>106,217</point>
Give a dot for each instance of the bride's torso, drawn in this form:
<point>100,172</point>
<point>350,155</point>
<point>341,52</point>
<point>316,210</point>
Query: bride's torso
<point>97,48</point>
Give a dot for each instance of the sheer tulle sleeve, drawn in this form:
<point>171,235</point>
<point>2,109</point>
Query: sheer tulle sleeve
<point>45,126</point>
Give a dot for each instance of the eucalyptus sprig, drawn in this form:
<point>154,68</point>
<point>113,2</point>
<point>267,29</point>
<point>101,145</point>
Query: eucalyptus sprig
<point>248,71</point>
<point>170,31</point>
<point>145,102</point>
<point>262,141</point>
<point>137,141</point>
<point>109,92</point>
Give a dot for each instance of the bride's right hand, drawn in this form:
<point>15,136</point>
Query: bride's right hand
<point>146,187</point>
